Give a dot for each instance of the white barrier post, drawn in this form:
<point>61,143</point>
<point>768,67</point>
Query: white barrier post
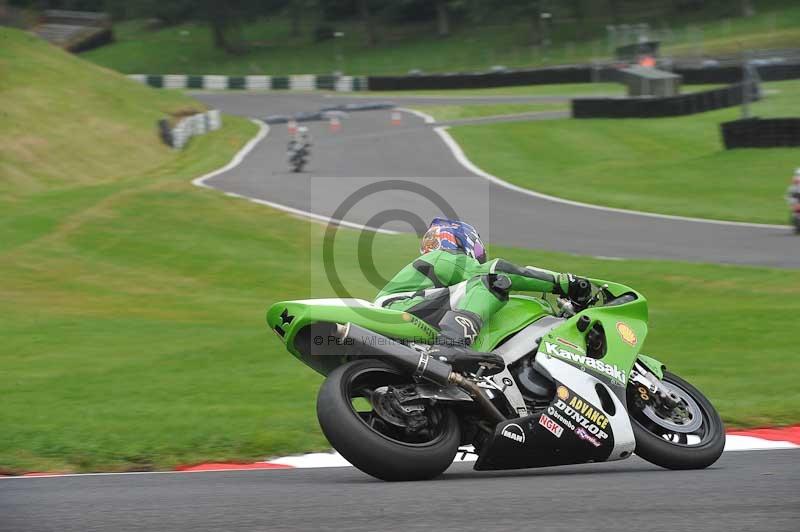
<point>175,81</point>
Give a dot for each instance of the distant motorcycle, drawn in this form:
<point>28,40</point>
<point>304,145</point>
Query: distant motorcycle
<point>793,198</point>
<point>299,150</point>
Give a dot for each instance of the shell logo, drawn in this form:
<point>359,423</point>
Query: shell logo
<point>626,333</point>
<point>562,393</point>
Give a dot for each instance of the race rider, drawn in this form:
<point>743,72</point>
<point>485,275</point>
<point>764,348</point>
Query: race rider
<point>301,139</point>
<point>793,192</point>
<point>452,287</point>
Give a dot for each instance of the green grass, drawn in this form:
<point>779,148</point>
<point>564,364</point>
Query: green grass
<point>66,121</point>
<point>444,113</point>
<point>187,48</point>
<point>665,165</point>
<point>133,303</point>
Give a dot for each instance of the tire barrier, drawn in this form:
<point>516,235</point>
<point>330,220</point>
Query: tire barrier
<point>477,80</point>
<point>328,112</point>
<point>761,133</point>
<point>178,136</point>
<point>570,74</point>
<point>567,74</point>
<point>685,104</point>
<point>733,74</point>
<point>304,82</point>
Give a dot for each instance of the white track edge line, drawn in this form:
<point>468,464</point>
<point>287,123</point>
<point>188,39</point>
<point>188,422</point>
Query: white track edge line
<point>263,131</point>
<point>746,443</point>
<point>428,119</point>
<point>461,157</point>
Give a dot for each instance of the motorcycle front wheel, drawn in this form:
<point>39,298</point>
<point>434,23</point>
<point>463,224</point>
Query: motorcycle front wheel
<point>361,412</point>
<point>687,434</point>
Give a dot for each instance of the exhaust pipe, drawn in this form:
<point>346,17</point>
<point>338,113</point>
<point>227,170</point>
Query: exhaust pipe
<point>417,364</point>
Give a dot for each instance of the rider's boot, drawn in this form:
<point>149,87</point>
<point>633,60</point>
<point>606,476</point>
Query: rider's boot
<point>458,329</point>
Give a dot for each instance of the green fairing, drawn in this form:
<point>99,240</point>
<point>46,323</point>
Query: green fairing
<point>655,366</point>
<point>391,323</point>
<point>517,313</point>
<point>620,354</point>
<point>290,317</point>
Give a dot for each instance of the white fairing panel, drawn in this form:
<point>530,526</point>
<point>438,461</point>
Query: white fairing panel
<point>584,384</point>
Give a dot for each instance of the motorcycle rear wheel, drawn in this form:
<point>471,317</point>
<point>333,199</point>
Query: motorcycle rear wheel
<point>371,443</point>
<point>693,443</point>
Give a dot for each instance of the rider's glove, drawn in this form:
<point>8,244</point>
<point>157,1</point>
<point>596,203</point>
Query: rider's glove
<point>577,289</point>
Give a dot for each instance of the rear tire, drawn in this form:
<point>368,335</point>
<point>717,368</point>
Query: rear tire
<point>673,455</point>
<point>368,449</point>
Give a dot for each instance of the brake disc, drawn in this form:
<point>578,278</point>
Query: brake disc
<point>386,402</point>
<point>685,418</point>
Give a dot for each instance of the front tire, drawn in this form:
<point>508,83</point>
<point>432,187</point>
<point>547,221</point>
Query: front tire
<point>666,443</point>
<point>371,444</point>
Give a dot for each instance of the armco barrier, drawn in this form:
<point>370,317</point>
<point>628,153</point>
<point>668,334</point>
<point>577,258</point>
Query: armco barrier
<point>761,133</point>
<point>304,82</point>
<point>685,104</point>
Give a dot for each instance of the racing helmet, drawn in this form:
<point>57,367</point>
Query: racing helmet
<point>454,236</point>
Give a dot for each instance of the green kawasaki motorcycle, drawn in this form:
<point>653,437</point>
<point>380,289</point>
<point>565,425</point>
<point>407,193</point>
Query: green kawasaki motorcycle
<point>574,389</point>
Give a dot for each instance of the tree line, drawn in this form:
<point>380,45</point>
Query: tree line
<point>319,17</point>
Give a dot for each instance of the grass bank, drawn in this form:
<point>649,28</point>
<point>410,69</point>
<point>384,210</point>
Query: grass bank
<point>665,165</point>
<point>134,334</point>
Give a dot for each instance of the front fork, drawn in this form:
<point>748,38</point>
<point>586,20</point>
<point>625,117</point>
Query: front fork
<point>649,389</point>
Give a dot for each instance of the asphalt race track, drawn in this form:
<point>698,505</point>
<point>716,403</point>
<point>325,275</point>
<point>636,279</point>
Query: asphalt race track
<point>369,149</point>
<point>747,491</point>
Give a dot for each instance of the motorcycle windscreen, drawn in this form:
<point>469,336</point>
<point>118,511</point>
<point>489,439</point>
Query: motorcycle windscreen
<point>583,423</point>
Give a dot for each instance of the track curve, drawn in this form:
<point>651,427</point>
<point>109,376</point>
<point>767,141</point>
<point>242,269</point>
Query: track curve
<point>370,148</point>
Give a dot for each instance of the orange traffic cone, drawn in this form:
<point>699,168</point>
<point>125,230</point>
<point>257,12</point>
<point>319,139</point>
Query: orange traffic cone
<point>292,126</point>
<point>397,118</point>
<point>335,124</point>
